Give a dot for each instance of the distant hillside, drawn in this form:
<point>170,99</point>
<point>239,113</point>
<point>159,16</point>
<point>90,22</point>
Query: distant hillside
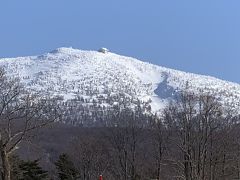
<point>90,83</point>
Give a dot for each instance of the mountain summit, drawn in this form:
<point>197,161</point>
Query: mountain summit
<point>111,80</point>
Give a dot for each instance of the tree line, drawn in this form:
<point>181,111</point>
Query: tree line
<point>194,139</point>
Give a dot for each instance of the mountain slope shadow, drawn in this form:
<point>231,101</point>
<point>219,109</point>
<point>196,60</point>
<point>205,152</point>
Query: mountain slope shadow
<point>164,91</point>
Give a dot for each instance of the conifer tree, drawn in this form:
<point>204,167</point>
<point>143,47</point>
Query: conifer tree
<point>66,168</point>
<point>32,171</point>
<point>15,162</point>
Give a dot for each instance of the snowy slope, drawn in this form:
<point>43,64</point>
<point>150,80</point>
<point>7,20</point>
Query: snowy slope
<point>108,79</point>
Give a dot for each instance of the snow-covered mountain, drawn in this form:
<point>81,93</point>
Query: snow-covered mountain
<point>107,80</point>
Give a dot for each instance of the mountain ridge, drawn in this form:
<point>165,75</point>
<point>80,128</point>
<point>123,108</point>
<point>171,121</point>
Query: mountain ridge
<point>112,80</point>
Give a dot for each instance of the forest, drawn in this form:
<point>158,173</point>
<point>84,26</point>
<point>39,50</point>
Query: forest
<point>194,138</point>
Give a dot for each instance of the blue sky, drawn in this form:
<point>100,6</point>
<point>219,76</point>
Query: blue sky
<point>196,36</point>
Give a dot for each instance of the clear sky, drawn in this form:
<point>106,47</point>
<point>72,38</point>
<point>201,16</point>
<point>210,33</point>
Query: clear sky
<point>196,36</point>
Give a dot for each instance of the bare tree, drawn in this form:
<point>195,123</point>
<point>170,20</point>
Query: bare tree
<point>90,155</point>
<point>161,136</point>
<point>21,113</point>
<point>196,121</point>
<point>124,140</point>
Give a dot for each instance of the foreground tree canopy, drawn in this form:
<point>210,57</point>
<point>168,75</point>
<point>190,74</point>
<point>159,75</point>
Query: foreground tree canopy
<point>21,113</point>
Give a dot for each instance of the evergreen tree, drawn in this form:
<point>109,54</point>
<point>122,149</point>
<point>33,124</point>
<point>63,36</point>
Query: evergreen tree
<point>32,171</point>
<point>15,169</point>
<point>66,168</point>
